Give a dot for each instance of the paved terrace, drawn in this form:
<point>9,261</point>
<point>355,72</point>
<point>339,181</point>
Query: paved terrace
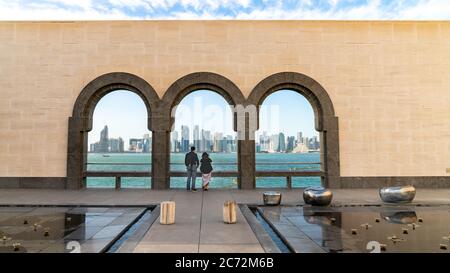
<point>199,226</point>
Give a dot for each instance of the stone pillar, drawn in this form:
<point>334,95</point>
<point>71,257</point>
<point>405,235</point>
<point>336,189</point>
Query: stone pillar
<point>246,164</point>
<point>160,152</point>
<point>76,154</point>
<point>160,160</point>
<point>330,153</point>
<point>246,114</point>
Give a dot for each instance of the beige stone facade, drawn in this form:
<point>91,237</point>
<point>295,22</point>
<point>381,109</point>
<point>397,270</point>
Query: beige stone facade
<point>389,81</point>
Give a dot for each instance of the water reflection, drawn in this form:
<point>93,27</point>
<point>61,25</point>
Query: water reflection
<point>49,229</point>
<point>350,229</point>
<point>399,217</point>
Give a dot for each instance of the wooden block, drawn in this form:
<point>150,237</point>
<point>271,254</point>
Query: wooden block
<point>229,212</point>
<point>167,215</point>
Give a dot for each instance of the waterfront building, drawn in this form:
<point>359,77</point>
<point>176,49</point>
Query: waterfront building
<point>274,143</point>
<point>205,144</point>
<point>264,141</point>
<point>147,144</point>
<point>121,145</point>
<point>174,142</point>
<point>104,141</point>
<point>301,148</point>
<point>290,144</point>
<point>299,137</point>
<point>116,145</point>
<point>281,143</point>
<point>218,143</point>
<point>184,138</point>
<point>93,148</point>
<point>136,145</point>
<point>106,144</point>
<point>196,137</point>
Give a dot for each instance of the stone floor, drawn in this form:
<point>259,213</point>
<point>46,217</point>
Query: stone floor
<point>199,226</point>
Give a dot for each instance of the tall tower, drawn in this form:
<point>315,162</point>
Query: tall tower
<point>197,137</point>
<point>121,145</point>
<point>290,144</point>
<point>299,137</point>
<point>184,138</point>
<point>218,142</point>
<point>104,140</point>
<point>281,143</point>
<point>174,142</point>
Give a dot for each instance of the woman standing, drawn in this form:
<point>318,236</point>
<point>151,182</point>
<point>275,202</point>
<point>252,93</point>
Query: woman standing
<point>206,170</point>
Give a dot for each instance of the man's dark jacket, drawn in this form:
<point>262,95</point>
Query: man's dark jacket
<point>191,159</point>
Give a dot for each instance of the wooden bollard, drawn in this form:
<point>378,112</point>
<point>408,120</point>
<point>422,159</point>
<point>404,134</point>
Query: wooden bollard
<point>229,212</point>
<point>167,214</point>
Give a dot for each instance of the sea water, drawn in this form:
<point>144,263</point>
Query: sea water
<point>221,162</point>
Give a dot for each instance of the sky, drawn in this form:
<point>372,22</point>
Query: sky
<point>224,9</point>
<point>126,115</point>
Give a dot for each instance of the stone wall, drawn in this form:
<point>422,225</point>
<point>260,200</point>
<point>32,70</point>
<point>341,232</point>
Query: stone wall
<point>389,82</point>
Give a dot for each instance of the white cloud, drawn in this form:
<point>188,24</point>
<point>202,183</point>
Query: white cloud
<point>427,9</point>
<point>221,9</point>
<point>12,10</point>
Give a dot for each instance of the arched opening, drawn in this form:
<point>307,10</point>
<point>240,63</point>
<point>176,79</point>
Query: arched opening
<point>287,141</point>
<point>204,120</point>
<point>81,123</point>
<point>221,89</point>
<point>119,141</point>
<point>325,122</point>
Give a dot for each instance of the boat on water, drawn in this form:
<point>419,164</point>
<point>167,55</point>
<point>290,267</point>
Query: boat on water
<point>106,155</point>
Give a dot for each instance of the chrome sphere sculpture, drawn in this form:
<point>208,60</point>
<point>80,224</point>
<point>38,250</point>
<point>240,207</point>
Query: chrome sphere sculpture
<point>317,196</point>
<point>272,198</point>
<point>403,194</point>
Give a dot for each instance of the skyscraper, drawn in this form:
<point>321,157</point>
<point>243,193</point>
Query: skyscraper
<point>281,143</point>
<point>315,144</point>
<point>147,144</point>
<point>229,144</point>
<point>290,144</point>
<point>197,137</point>
<point>299,137</point>
<point>121,145</point>
<point>106,144</point>
<point>114,146</point>
<point>184,138</point>
<point>136,145</point>
<point>264,142</point>
<point>274,143</point>
<point>206,138</point>
<point>218,143</point>
<point>174,144</point>
<point>104,140</point>
<point>306,142</point>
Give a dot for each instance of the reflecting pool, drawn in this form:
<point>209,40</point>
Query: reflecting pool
<point>362,228</point>
<point>63,229</point>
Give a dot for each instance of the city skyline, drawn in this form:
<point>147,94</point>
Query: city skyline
<point>207,141</point>
<point>126,115</point>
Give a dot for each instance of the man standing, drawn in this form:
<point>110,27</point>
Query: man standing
<point>191,162</point>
